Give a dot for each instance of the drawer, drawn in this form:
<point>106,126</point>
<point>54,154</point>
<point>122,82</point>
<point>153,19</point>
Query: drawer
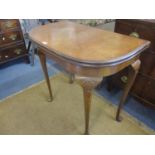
<point>137,29</point>
<point>0,57</point>
<point>139,85</point>
<point>149,92</point>
<point>148,63</point>
<point>10,37</point>
<point>13,52</point>
<point>124,27</point>
<point>144,87</point>
<point>8,24</point>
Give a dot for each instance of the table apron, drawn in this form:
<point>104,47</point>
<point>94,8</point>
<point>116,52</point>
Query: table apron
<point>88,71</point>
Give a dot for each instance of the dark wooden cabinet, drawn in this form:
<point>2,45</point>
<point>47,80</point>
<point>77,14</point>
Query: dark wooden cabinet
<point>144,86</point>
<point>12,44</point>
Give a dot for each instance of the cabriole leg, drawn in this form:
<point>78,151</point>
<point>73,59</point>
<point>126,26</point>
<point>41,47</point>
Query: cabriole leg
<point>131,78</point>
<point>71,78</point>
<point>88,84</point>
<point>44,67</point>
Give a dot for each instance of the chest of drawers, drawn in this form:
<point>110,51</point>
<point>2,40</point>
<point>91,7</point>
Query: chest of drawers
<point>12,44</point>
<point>144,85</point>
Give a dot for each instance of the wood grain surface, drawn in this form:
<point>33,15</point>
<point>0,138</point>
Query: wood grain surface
<point>86,44</point>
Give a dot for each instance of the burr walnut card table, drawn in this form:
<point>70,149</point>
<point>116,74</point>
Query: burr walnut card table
<point>88,54</point>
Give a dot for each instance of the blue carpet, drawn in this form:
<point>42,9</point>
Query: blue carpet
<point>17,76</point>
<point>132,106</point>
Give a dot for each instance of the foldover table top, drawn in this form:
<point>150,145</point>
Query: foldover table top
<point>86,44</point>
<point>88,54</point>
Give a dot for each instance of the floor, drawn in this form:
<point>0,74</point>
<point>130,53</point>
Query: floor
<point>16,76</point>
<point>30,113</point>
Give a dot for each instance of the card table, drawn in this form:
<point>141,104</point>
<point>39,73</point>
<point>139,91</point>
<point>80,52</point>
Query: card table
<point>88,54</point>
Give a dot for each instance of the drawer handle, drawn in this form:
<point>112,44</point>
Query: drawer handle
<point>134,34</point>
<point>3,38</point>
<point>124,79</point>
<point>6,56</point>
<point>18,51</point>
<point>8,24</point>
<point>13,37</point>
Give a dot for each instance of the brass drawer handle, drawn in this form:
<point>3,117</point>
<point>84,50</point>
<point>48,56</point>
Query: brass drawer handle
<point>6,56</point>
<point>124,79</point>
<point>134,34</point>
<point>18,51</point>
<point>3,38</point>
<point>8,24</point>
<point>13,37</point>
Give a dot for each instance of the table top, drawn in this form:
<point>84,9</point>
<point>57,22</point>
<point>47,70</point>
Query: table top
<point>86,44</point>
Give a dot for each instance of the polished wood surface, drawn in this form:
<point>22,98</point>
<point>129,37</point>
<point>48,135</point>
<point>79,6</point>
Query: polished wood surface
<point>44,67</point>
<point>86,44</point>
<point>144,86</point>
<point>88,84</point>
<point>87,53</point>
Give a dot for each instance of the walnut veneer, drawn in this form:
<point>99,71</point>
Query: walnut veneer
<point>89,54</point>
